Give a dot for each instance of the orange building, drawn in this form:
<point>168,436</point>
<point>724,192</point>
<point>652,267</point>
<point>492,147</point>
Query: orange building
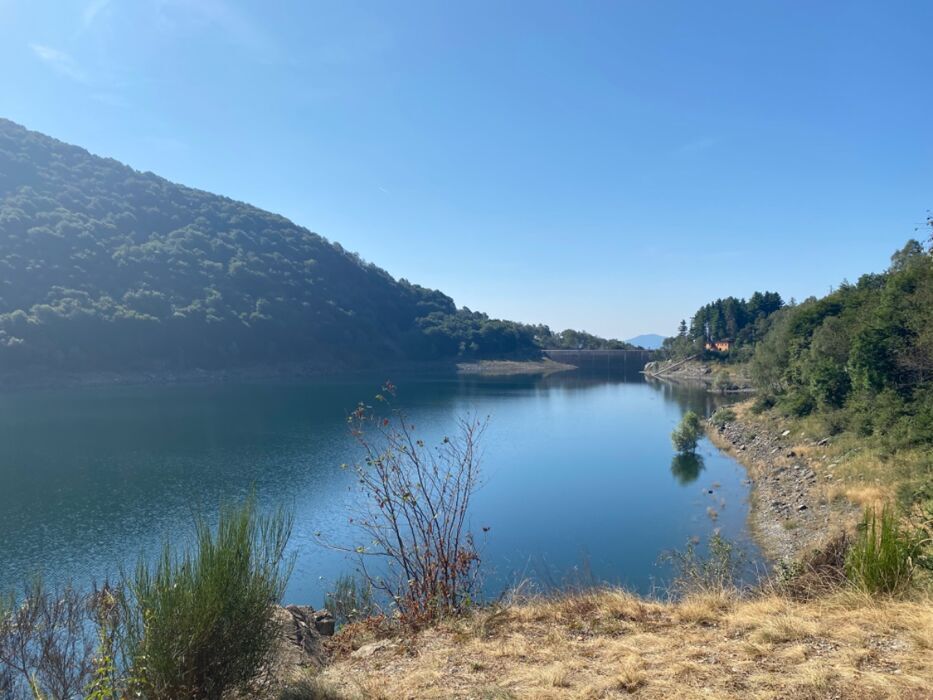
<point>719,345</point>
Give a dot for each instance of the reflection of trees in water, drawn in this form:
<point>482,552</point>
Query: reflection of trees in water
<point>686,468</point>
<point>691,398</point>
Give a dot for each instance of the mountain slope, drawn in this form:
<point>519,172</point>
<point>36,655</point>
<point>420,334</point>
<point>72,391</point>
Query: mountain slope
<point>105,267</point>
<point>649,341</point>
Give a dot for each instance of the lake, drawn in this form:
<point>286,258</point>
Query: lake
<point>581,484</point>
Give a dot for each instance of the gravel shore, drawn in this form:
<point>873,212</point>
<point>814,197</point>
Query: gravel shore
<point>790,510</point>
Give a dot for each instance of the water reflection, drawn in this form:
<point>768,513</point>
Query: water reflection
<point>686,468</point>
<point>573,462</point>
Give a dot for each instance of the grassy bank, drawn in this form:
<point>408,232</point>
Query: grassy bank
<point>610,644</point>
<point>812,631</point>
<point>850,470</point>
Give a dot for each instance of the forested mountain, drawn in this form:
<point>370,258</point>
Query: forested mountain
<point>105,267</point>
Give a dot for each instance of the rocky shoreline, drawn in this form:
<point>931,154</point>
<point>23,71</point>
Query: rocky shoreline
<point>503,368</point>
<point>718,378</point>
<point>790,512</point>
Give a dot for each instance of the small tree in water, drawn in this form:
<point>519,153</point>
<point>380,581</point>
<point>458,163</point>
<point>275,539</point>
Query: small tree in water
<point>686,435</point>
<point>415,517</point>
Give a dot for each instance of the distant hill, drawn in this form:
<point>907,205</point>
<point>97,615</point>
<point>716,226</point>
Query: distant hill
<point>105,267</point>
<point>649,341</point>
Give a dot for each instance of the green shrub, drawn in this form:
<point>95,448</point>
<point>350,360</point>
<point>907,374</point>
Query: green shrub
<point>881,559</point>
<point>762,403</point>
<point>798,404</point>
<point>722,416</point>
<point>201,623</point>
<point>686,435</point>
<point>723,382</point>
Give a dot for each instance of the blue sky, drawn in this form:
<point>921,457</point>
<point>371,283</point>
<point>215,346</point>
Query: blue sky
<point>609,166</point>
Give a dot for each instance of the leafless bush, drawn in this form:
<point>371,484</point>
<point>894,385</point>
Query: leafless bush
<point>416,510</point>
<point>47,643</point>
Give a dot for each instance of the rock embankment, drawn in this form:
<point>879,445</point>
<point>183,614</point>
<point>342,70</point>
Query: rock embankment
<point>790,509</point>
<point>716,377</point>
<point>301,648</point>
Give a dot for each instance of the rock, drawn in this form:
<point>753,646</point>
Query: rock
<point>300,639</point>
<point>368,650</point>
<point>306,617</point>
<point>785,433</point>
<point>824,441</point>
<point>324,623</point>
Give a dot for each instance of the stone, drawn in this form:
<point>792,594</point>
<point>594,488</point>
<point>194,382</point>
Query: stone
<point>785,433</point>
<point>368,650</point>
<point>324,623</point>
<point>301,640</point>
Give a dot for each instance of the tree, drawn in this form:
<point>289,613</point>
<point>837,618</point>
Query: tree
<point>687,433</point>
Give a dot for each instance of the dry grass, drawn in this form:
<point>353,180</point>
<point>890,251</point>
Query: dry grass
<point>858,471</point>
<point>610,644</point>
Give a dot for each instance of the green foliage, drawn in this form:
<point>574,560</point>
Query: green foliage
<point>723,382</point>
<point>741,321</point>
<point>738,320</point>
<point>687,433</point>
<point>881,559</point>
<point>861,357</point>
<point>104,267</point>
<point>722,416</point>
<point>576,340</point>
<point>798,403</point>
<point>200,623</point>
<point>188,626</point>
<point>351,600</point>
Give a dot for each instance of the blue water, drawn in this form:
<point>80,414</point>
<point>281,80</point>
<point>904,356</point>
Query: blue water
<point>580,479</point>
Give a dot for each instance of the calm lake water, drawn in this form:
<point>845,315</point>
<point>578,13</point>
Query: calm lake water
<point>581,481</point>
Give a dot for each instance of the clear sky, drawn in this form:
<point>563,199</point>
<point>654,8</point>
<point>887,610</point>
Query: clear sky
<point>609,166</point>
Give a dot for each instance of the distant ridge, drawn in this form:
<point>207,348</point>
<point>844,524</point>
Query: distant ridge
<point>649,341</point>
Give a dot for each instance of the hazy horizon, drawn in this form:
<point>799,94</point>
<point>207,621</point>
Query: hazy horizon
<point>606,167</point>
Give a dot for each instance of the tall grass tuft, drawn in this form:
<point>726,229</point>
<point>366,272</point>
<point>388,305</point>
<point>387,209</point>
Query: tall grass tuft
<point>351,600</point>
<point>718,571</point>
<point>201,622</point>
<point>881,559</point>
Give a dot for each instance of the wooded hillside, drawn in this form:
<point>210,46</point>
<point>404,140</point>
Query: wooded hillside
<point>105,267</point>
